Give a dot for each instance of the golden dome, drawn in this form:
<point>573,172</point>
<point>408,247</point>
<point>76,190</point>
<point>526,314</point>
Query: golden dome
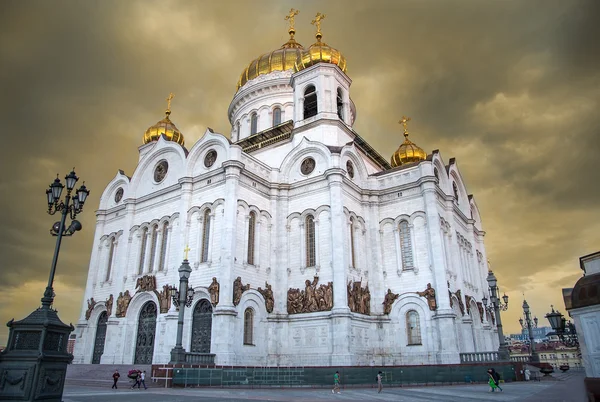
<point>164,127</point>
<point>320,52</point>
<point>278,60</point>
<point>409,151</point>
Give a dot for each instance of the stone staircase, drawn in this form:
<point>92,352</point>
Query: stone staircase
<point>100,375</point>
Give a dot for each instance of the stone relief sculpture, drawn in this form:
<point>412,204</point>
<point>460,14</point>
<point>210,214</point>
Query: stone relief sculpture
<point>493,317</point>
<point>109,305</point>
<point>429,294</point>
<point>146,283</point>
<point>388,300</point>
<point>458,294</point>
<point>122,304</point>
<point>311,299</point>
<point>480,308</point>
<point>359,299</point>
<point>91,303</point>
<point>267,293</point>
<point>164,299</point>
<point>238,289</point>
<point>468,303</point>
<point>213,289</point>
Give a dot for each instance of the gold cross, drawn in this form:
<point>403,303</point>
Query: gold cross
<point>290,17</point>
<point>317,21</point>
<point>171,96</point>
<point>186,249</point>
<point>404,122</point>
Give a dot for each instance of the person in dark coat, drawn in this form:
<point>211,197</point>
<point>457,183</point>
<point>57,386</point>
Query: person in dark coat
<point>116,376</point>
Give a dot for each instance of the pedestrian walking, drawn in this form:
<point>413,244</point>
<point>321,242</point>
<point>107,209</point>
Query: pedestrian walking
<point>336,383</point>
<point>143,379</point>
<point>379,383</point>
<point>527,374</point>
<point>493,380</point>
<point>116,376</point>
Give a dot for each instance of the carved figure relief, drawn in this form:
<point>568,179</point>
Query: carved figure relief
<point>307,166</point>
<point>388,300</point>
<point>146,283</point>
<point>493,317</point>
<point>480,308</point>
<point>350,169</point>
<point>238,289</point>
<point>359,299</point>
<point>119,194</point>
<point>468,303</point>
<point>429,294</point>
<point>311,299</point>
<point>164,299</point>
<point>267,293</point>
<point>160,171</point>
<point>91,303</point>
<point>210,158</point>
<point>122,304</point>
<point>109,305</point>
<point>458,294</point>
<point>213,289</point>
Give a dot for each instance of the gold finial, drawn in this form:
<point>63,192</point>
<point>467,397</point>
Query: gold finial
<point>169,98</point>
<point>186,250</point>
<point>404,121</point>
<point>317,21</point>
<point>290,17</point>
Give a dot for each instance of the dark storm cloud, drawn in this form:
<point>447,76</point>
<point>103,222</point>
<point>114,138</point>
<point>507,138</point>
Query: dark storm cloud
<point>509,88</point>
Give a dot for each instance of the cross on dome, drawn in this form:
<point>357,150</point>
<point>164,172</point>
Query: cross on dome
<point>404,121</point>
<point>317,22</point>
<point>169,98</point>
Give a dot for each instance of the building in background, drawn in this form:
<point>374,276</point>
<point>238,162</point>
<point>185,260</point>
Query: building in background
<point>539,335</point>
<point>554,353</point>
<point>308,247</point>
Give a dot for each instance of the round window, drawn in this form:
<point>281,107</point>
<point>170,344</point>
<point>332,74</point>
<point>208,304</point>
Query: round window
<point>350,169</point>
<point>119,194</point>
<point>210,158</point>
<point>307,166</point>
<point>160,171</point>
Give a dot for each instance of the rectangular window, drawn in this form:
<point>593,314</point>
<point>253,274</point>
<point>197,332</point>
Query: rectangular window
<point>205,236</point>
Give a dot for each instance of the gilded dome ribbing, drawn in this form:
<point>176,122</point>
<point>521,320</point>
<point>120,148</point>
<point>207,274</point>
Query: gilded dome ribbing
<point>164,127</point>
<point>409,151</point>
<point>320,52</point>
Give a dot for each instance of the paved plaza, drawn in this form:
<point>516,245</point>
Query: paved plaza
<point>566,388</point>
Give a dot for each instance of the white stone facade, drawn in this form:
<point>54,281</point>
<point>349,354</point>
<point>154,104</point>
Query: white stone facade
<point>441,241</point>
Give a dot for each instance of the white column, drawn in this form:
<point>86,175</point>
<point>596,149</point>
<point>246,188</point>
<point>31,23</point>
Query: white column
<point>399,266</point>
<point>303,245</point>
<point>147,267</point>
<point>349,242</point>
<point>211,231</point>
<point>246,238</point>
<point>169,234</point>
<point>317,246</point>
<point>199,237</point>
<point>413,245</point>
<point>257,236</point>
<point>159,236</point>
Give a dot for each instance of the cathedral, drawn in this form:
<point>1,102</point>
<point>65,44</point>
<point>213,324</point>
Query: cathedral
<point>307,247</point>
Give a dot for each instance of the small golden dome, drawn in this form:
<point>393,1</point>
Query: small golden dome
<point>164,127</point>
<point>281,59</point>
<point>320,52</point>
<point>409,151</point>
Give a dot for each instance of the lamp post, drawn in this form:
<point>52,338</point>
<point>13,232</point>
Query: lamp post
<point>529,324</point>
<point>35,360</point>
<point>182,298</point>
<point>564,329</point>
<point>497,306</point>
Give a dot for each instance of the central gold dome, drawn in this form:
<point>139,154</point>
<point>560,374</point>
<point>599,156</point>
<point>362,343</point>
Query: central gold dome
<point>281,59</point>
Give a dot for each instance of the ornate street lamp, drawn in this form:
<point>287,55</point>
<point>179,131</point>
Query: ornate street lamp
<point>36,356</point>
<point>529,324</point>
<point>184,298</point>
<point>564,329</point>
<point>496,307</point>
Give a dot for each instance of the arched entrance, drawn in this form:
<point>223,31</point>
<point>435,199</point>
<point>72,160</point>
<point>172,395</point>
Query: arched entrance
<point>144,347</point>
<point>201,327</point>
<point>100,338</point>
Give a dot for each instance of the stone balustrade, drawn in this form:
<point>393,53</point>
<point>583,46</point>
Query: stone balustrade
<point>479,357</point>
<point>200,358</point>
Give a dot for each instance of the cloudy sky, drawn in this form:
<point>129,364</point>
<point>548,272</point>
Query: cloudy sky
<point>509,88</point>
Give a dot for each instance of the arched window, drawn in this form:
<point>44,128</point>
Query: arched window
<point>253,123</point>
<point>340,104</point>
<point>248,326</point>
<point>143,251</point>
<point>153,247</point>
<point>352,242</point>
<point>310,241</point>
<point>205,236</point>
<point>237,130</point>
<point>310,102</point>
<point>405,245</point>
<point>111,256</point>
<point>413,328</point>
<point>251,232</point>
<point>455,189</point>
<point>276,116</point>
<point>163,246</point>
